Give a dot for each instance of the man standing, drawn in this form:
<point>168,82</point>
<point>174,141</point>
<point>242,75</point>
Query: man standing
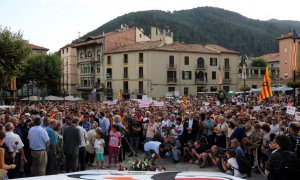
<point>52,154</point>
<point>38,142</point>
<point>82,146</point>
<point>15,146</point>
<point>72,140</point>
<point>190,128</point>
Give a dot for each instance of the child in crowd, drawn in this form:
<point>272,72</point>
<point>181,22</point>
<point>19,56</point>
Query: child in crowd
<point>114,143</point>
<point>99,149</point>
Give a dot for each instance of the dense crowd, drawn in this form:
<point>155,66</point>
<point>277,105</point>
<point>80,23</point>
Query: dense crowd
<point>226,133</point>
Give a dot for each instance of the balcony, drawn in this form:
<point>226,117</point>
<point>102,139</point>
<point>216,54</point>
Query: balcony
<point>172,66</point>
<point>199,81</point>
<point>125,91</point>
<point>226,67</point>
<point>226,81</point>
<point>200,67</point>
<point>171,80</point>
<point>125,76</point>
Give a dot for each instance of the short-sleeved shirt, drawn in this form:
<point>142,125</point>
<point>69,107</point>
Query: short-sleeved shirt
<point>114,138</point>
<point>152,145</point>
<point>13,142</point>
<point>52,135</point>
<point>234,165</point>
<point>98,145</point>
<point>37,137</point>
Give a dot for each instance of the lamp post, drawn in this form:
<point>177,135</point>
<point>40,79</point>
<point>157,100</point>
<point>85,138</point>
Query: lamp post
<point>244,74</point>
<point>294,37</point>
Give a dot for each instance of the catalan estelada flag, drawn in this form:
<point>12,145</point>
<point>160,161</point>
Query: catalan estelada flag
<point>184,102</point>
<point>266,90</point>
<point>293,57</point>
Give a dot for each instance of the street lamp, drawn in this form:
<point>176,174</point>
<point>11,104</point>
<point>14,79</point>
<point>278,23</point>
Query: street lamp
<point>294,37</point>
<point>244,74</point>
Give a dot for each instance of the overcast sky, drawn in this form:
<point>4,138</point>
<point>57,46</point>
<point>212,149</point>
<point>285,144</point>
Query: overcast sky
<point>55,23</point>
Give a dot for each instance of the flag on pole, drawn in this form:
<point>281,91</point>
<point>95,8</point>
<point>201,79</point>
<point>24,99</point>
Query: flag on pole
<point>13,83</point>
<point>184,102</point>
<point>220,78</point>
<point>266,89</point>
<point>244,73</point>
<point>293,57</point>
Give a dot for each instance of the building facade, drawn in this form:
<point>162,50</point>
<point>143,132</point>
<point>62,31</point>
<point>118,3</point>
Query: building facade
<point>156,68</point>
<point>69,63</point>
<point>285,41</point>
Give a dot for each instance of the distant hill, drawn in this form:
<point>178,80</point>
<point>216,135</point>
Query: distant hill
<point>206,25</point>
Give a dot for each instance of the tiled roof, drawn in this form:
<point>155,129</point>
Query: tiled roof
<point>181,47</point>
<point>271,57</point>
<point>220,49</point>
<point>140,46</point>
<point>35,47</point>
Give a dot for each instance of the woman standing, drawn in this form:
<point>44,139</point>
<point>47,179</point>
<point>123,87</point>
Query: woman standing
<point>3,166</point>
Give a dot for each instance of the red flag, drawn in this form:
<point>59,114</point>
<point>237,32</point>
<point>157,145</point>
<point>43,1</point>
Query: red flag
<point>184,102</point>
<point>266,89</point>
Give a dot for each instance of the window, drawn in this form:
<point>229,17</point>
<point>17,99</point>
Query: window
<point>200,88</point>
<point>213,88</point>
<point>213,75</point>
<point>81,55</point>
<point>141,72</point>
<point>125,59</point>
<point>108,84</point>
<point>108,60</point>
<point>186,60</point>
<point>63,51</point>
<point>199,75</point>
<point>171,76</point>
<point>141,87</point>
<point>226,62</point>
<point>98,82</point>
<point>226,75</point>
<point>92,69</point>
<point>141,57</point>
<point>171,89</point>
<point>98,68</point>
<point>213,61</point>
<point>109,73</point>
<point>89,54</point>
<point>125,72</point>
<point>171,61</point>
<point>67,49</point>
<point>140,35</point>
<point>226,88</point>
<point>185,91</point>
<point>125,87</point>
<point>186,75</point>
<point>200,62</point>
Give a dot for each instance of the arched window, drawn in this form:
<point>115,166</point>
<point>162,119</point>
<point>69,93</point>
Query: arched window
<point>200,62</point>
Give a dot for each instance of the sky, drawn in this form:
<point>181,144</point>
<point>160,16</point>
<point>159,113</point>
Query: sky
<point>55,23</point>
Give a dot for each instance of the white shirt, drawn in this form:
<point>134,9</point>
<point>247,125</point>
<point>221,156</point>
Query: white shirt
<point>13,142</point>
<point>98,145</point>
<point>177,127</point>
<point>274,129</point>
<point>190,124</point>
<point>152,145</point>
<point>234,165</point>
<point>83,136</point>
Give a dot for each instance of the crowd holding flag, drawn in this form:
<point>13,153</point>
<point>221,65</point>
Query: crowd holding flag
<point>184,102</point>
<point>266,89</point>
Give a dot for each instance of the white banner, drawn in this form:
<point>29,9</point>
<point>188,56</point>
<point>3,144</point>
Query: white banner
<point>297,116</point>
<point>291,110</point>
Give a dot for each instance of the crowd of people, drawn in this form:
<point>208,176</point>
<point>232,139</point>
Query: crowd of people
<point>229,134</point>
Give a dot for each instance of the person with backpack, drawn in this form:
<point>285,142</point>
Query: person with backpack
<point>282,164</point>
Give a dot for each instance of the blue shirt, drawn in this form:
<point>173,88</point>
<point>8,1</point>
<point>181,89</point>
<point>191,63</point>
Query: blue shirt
<point>52,136</point>
<point>239,151</point>
<point>38,138</point>
<point>86,125</point>
<point>104,125</point>
<point>209,124</point>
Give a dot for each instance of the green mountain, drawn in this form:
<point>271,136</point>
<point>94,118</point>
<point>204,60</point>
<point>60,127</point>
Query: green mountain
<point>206,25</point>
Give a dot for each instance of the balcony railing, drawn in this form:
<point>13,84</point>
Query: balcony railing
<point>171,80</point>
<point>141,91</point>
<point>226,81</point>
<point>199,81</point>
<point>171,66</point>
<point>108,76</point>
<point>200,66</point>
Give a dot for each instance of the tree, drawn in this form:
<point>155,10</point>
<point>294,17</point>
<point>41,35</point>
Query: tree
<point>258,63</point>
<point>245,88</point>
<point>12,54</point>
<point>44,70</point>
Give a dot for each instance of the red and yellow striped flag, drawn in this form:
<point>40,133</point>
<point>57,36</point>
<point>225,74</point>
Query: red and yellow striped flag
<point>293,57</point>
<point>13,83</point>
<point>266,90</point>
<point>184,102</point>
